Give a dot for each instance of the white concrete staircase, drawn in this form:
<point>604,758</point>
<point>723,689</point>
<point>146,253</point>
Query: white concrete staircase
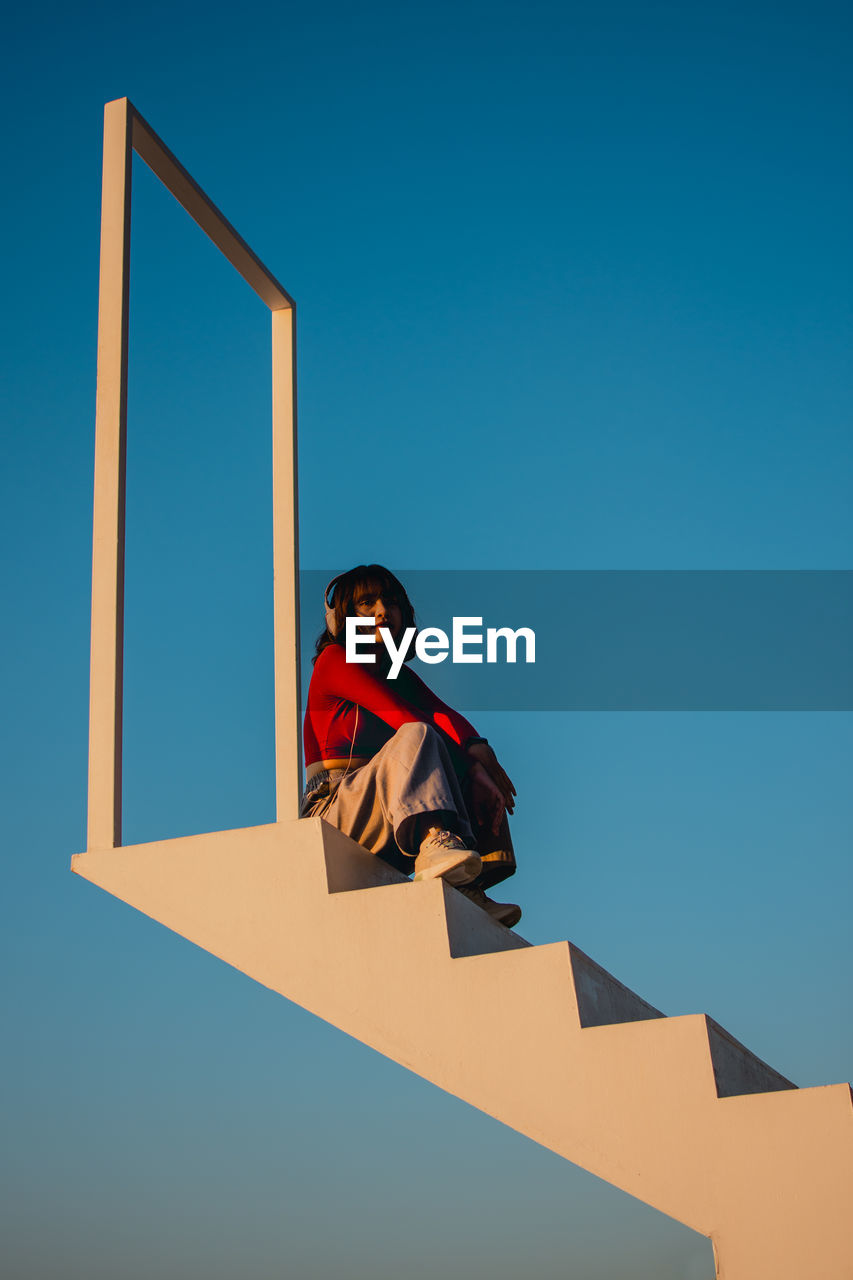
<point>672,1110</point>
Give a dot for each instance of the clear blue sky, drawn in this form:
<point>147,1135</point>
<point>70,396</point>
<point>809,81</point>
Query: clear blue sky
<point>574,292</point>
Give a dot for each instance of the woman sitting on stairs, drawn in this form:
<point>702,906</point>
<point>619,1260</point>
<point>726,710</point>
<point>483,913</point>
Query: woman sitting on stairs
<point>391,765</point>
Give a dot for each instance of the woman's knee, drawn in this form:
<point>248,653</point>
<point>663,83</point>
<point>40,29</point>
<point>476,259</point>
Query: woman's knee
<point>418,743</point>
<point>415,733</point>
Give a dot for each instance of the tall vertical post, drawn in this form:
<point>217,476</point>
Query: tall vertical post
<point>105,687</point>
<point>125,131</point>
<point>288,719</point>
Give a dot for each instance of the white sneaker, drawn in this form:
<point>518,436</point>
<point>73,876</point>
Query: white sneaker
<point>445,855</point>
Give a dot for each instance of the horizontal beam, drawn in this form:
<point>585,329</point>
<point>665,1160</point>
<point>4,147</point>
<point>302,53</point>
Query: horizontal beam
<point>150,148</point>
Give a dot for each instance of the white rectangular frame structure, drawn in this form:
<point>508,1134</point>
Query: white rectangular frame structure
<point>125,131</point>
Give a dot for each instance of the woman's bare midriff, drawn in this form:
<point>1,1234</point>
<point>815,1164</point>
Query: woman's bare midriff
<point>353,762</point>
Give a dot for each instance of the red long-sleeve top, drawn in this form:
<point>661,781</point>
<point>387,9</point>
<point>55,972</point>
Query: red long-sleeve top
<point>339,688</point>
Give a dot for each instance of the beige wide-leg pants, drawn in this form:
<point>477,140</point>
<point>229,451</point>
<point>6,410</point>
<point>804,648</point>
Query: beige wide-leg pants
<point>387,804</point>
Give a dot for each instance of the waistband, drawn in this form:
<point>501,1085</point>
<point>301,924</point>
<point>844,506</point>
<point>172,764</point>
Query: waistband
<point>322,778</point>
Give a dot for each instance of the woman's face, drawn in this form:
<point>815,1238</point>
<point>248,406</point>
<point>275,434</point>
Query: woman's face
<point>371,601</point>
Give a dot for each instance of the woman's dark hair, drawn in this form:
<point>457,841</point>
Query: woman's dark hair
<point>347,586</point>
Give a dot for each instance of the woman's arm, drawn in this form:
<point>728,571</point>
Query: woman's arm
<point>334,677</point>
<point>481,753</point>
<point>358,683</point>
<point>453,724</point>
<point>478,751</point>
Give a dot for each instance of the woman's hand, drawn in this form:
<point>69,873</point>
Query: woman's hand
<point>483,754</point>
<point>487,800</point>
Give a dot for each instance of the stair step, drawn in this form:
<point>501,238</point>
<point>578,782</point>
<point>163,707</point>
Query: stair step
<point>603,999</point>
<point>737,1070</point>
<point>349,866</point>
<point>471,932</point>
